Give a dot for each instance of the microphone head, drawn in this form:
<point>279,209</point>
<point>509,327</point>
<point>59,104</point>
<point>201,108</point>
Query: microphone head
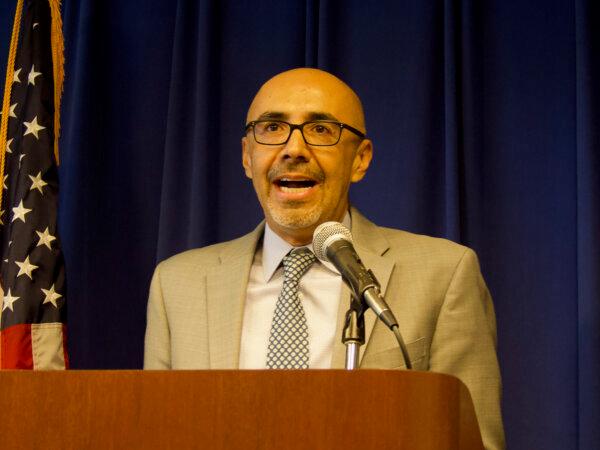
<point>327,233</point>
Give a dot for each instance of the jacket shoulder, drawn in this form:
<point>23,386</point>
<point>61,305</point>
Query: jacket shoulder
<point>426,243</point>
<point>402,244</point>
<point>434,252</point>
<point>214,254</point>
<point>207,254</point>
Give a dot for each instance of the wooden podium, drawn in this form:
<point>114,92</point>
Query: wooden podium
<point>236,410</point>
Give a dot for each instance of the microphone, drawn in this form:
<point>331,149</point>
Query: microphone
<point>332,242</point>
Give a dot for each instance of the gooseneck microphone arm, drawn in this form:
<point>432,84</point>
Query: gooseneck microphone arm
<point>333,242</point>
<point>361,281</point>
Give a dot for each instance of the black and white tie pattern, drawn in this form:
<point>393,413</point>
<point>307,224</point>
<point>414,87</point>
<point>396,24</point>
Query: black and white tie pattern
<point>288,341</point>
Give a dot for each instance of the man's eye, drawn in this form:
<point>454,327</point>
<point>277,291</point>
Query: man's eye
<point>272,127</point>
<point>321,129</point>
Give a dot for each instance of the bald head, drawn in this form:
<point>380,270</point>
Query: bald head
<point>308,93</point>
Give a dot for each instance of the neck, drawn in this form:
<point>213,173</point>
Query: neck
<point>296,238</point>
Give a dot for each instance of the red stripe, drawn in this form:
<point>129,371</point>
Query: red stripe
<point>64,337</point>
<point>16,347</point>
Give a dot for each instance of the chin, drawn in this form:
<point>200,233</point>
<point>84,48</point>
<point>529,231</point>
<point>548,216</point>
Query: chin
<point>296,218</point>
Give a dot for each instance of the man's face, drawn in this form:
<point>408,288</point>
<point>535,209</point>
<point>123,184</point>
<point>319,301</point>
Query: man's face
<point>300,186</point>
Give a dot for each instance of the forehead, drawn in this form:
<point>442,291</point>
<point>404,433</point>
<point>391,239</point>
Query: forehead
<point>306,98</point>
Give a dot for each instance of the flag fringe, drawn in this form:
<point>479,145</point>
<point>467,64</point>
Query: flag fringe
<point>10,73</point>
<point>58,63</point>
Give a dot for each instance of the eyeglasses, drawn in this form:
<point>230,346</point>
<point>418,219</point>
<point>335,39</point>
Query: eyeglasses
<point>316,132</point>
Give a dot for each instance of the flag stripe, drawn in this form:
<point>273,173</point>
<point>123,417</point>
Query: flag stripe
<point>47,346</point>
<point>16,347</point>
<point>64,347</point>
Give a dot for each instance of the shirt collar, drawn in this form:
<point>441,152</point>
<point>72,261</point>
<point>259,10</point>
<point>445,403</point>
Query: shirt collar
<point>275,248</point>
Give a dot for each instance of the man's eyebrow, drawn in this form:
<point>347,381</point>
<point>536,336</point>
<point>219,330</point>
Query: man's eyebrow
<point>283,116</point>
<point>272,115</point>
<point>321,116</point>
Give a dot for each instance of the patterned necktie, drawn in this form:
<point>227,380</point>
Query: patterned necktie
<point>288,341</point>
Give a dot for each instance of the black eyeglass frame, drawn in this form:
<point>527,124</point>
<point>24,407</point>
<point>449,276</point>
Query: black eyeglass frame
<point>300,126</point>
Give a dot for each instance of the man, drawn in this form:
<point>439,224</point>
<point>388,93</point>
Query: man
<point>231,305</point>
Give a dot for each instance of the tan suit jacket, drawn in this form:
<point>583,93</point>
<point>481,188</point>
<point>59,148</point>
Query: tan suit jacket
<point>434,287</point>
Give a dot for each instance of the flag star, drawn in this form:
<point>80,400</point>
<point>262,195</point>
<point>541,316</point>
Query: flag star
<point>8,150</point>
<point>35,25</point>
<point>37,183</point>
<point>32,75</point>
<point>20,158</point>
<point>19,212</point>
<point>33,128</point>
<point>11,111</point>
<point>9,300</point>
<point>51,296</point>
<point>45,238</point>
<point>16,76</point>
<point>25,268</point>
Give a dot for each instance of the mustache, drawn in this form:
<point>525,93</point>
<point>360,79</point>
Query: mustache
<point>296,167</point>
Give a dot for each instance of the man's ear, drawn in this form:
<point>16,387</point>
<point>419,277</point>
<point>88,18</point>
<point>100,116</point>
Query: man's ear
<point>246,160</point>
<point>362,160</point>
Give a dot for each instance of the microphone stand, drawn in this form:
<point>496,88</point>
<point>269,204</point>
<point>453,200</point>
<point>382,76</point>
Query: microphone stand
<point>354,334</point>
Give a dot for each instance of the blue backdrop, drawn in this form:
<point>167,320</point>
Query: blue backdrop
<point>485,118</point>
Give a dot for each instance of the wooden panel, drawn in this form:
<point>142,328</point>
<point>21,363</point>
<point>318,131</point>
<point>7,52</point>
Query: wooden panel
<point>235,410</point>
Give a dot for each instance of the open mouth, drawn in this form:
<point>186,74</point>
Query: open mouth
<point>294,185</point>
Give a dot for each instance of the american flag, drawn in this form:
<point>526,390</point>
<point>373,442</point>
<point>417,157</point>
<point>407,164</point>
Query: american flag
<point>32,275</point>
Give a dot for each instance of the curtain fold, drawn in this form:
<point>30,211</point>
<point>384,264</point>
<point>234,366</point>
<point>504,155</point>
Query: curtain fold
<point>187,190</point>
<point>588,220</point>
<point>453,123</point>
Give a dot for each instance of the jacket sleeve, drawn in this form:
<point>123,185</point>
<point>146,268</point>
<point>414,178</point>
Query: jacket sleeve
<point>157,347</point>
<point>464,345</point>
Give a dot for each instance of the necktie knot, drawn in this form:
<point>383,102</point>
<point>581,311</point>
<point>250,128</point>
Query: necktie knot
<point>296,263</point>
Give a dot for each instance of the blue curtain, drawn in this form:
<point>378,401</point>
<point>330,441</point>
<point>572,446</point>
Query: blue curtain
<point>486,122</point>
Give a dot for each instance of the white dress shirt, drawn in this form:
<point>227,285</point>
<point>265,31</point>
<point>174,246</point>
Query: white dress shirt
<point>319,291</point>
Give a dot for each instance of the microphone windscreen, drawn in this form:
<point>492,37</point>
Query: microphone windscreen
<point>325,234</point>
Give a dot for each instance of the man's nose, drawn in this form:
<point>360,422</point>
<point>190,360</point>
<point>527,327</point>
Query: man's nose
<point>296,147</point>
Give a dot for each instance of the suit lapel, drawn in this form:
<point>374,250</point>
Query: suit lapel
<point>226,294</point>
<point>371,245</point>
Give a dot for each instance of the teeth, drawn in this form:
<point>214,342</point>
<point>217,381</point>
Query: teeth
<point>294,189</point>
